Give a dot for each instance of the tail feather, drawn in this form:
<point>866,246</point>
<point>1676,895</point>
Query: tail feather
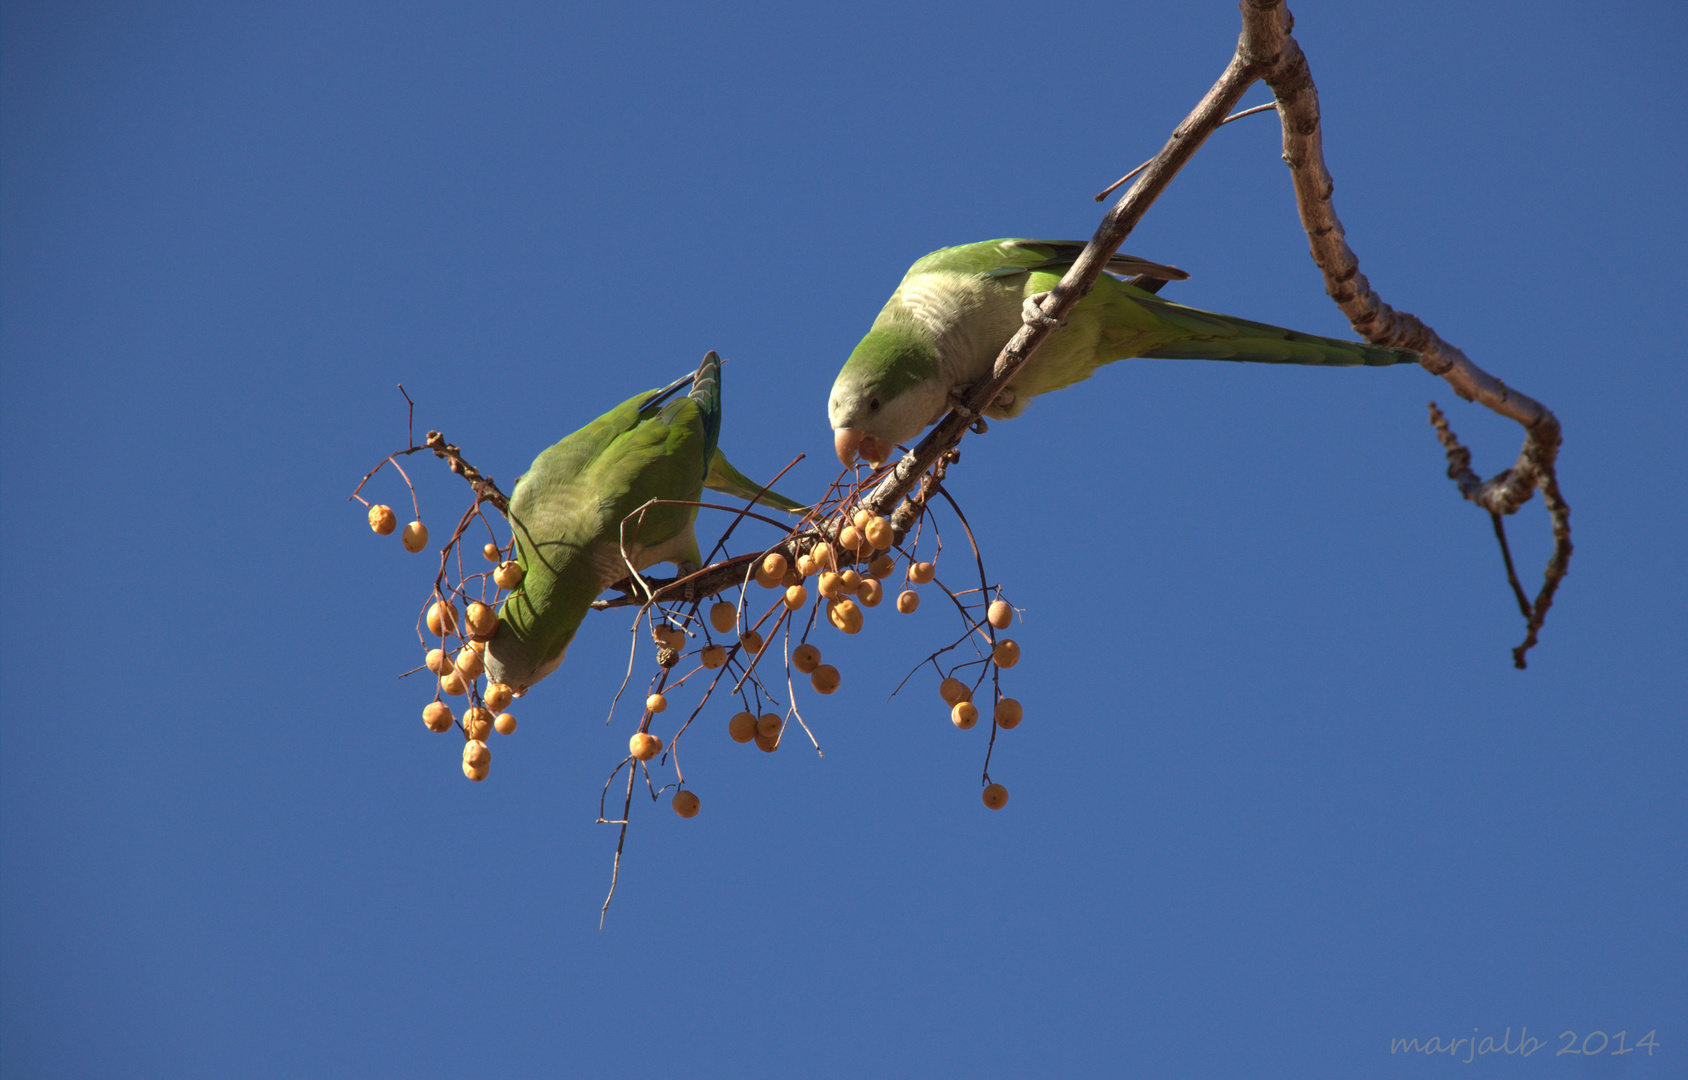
<point>1204,335</point>
<point>706,391</point>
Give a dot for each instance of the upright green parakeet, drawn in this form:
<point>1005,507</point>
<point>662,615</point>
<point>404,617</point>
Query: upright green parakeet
<point>957,307</point>
<point>567,510</point>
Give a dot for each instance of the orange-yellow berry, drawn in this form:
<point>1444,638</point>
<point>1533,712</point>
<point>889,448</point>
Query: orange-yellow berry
<point>442,618</point>
<point>508,575</point>
<point>879,533</point>
<point>964,715</point>
<point>438,661</point>
<point>382,519</point>
<point>769,725</point>
<point>742,727</point>
<point>656,703</point>
<point>825,679</point>
<point>796,596</point>
<point>996,796</point>
<point>774,566</point>
<point>1008,713</point>
<point>907,601</point>
<point>469,664</point>
<point>685,803</point>
<point>477,773</point>
<point>767,744</point>
<point>505,724</point>
<point>954,691</point>
<point>475,753</point>
<point>454,684</point>
<point>922,572</point>
<point>882,567</point>
<point>806,658</point>
<point>805,565</point>
<point>491,553</point>
<point>497,696</point>
<point>723,616</point>
<point>850,581</point>
<point>415,536</point>
<point>482,620</point>
<point>1000,614</point>
<point>821,555</point>
<point>845,615</point>
<point>752,642</point>
<point>644,746</point>
<point>1007,653</point>
<point>437,715</point>
<point>477,722</point>
<point>831,585</point>
<point>712,656</point>
<point>870,592</point>
<point>861,517</point>
<point>850,538</point>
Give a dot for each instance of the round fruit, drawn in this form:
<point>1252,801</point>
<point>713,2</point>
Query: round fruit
<point>685,803</point>
<point>1008,713</point>
<point>806,658</point>
<point>805,565</point>
<point>861,518</point>
<point>792,577</point>
<point>752,642</point>
<point>477,722</point>
<point>442,618</point>
<point>508,575</point>
<point>821,556</point>
<point>922,572</point>
<point>954,691</point>
<point>414,537</point>
<point>656,703</point>
<point>767,745</point>
<point>870,592</point>
<point>438,661</point>
<point>882,567</point>
<point>474,773</point>
<point>964,715</point>
<point>454,684</point>
<point>497,696</point>
<point>796,596</point>
<point>437,715</point>
<point>825,679</point>
<point>1000,614</point>
<point>879,533</point>
<point>850,581</point>
<point>669,637</point>
<point>505,724</point>
<point>846,616</point>
<point>469,664</point>
<point>996,796</point>
<point>850,538</point>
<point>382,519</point>
<point>712,656</point>
<point>644,746</point>
<point>907,601</point>
<point>475,753</point>
<point>831,585</point>
<point>723,616</point>
<point>768,725</point>
<point>742,727</point>
<point>1007,653</point>
<point>774,566</point>
<point>491,553</point>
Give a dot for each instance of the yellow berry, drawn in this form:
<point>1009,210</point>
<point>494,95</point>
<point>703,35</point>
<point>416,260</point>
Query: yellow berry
<point>845,615</point>
<point>656,703</point>
<point>922,572</point>
<point>850,538</point>
<point>505,724</point>
<point>774,566</point>
<point>469,664</point>
<point>954,691</point>
<point>414,537</point>
<point>477,722</point>
<point>475,753</point>
<point>437,715</point>
<point>861,518</point>
<point>768,725</point>
<point>1000,614</point>
<point>508,575</point>
<point>792,577</point>
<point>752,642</point>
<point>669,637</point>
<point>438,661</point>
<point>907,601</point>
<point>1008,713</point>
<point>685,803</point>
<point>796,596</point>
<point>996,796</point>
<point>644,746</point>
<point>879,533</point>
<point>442,618</point>
<point>831,585</point>
<point>964,715</point>
<point>767,744</point>
<point>882,567</point>
<point>870,592</point>
<point>825,679</point>
<point>822,556</point>
<point>850,581</point>
<point>805,565</point>
<point>382,519</point>
<point>712,656</point>
<point>723,616</point>
<point>497,696</point>
<point>454,684</point>
<point>742,727</point>
<point>478,646</point>
<point>806,658</point>
<point>475,773</point>
<point>1007,653</point>
<point>491,553</point>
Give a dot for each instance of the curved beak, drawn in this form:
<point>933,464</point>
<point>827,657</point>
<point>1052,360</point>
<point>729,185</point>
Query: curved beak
<point>849,442</point>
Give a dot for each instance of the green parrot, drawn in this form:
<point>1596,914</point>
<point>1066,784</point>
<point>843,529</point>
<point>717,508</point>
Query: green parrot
<point>956,308</point>
<point>566,515</point>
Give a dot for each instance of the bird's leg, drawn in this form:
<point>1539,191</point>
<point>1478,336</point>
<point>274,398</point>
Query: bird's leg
<point>958,401</point>
<point>1031,312</point>
<point>686,569</point>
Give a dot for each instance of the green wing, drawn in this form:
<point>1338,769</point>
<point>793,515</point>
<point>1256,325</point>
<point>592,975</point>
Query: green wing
<point>1005,258</point>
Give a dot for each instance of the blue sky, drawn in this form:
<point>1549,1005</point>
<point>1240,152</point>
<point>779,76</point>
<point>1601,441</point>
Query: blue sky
<point>1279,797</point>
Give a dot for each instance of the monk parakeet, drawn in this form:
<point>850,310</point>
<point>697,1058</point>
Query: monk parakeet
<point>566,515</point>
<point>956,308</point>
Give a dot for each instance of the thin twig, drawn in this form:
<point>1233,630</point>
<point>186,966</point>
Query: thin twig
<point>1113,187</point>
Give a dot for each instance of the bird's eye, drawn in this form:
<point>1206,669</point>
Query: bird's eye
<point>873,404</point>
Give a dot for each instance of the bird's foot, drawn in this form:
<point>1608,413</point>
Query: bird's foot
<point>1031,312</point>
<point>980,427</point>
<point>686,569</point>
<point>958,402</point>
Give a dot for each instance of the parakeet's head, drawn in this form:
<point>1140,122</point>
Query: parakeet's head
<point>888,390</point>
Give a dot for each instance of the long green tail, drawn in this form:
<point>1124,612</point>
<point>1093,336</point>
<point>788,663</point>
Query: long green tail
<point>1204,335</point>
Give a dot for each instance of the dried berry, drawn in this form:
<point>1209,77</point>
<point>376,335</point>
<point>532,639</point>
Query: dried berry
<point>437,715</point>
<point>382,519</point>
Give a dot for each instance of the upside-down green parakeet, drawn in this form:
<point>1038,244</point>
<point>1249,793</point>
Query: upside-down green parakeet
<point>956,308</point>
<point>567,512</point>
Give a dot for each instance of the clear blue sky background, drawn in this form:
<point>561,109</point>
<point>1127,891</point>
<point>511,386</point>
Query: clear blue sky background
<point>1279,796</point>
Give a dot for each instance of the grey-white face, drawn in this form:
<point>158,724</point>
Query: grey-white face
<point>867,421</point>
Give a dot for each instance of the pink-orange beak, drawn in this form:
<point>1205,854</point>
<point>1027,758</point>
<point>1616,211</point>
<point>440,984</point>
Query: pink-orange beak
<point>849,442</point>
